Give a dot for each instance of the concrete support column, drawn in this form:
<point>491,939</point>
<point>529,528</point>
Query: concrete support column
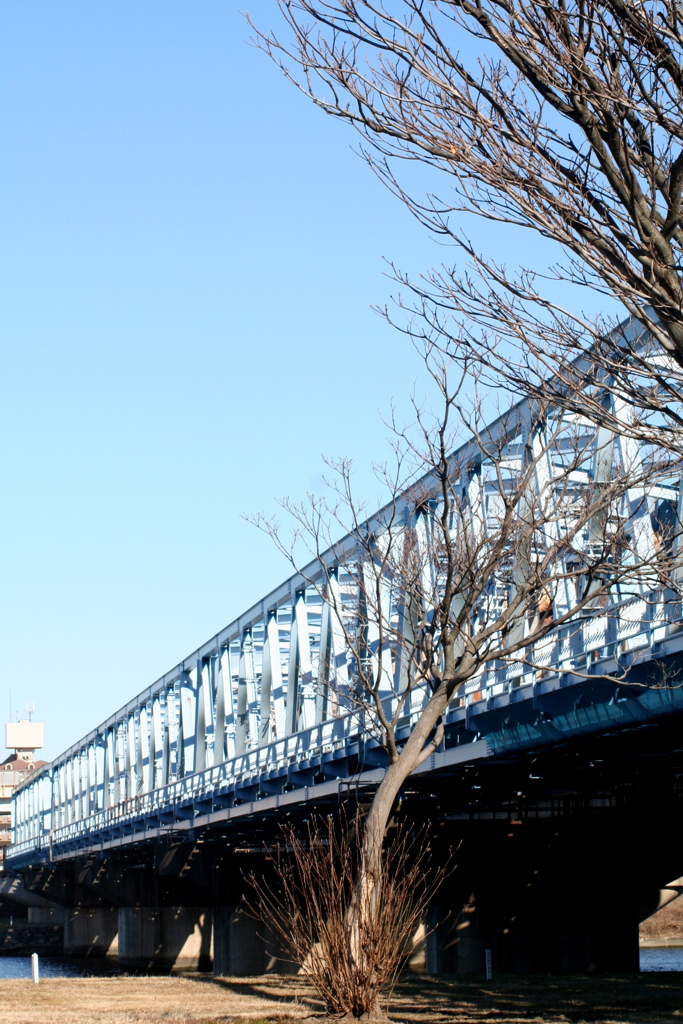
<point>562,932</point>
<point>555,896</point>
<point>455,944</point>
<point>243,946</point>
<point>165,938</point>
<point>416,953</point>
<point>46,915</point>
<point>91,931</point>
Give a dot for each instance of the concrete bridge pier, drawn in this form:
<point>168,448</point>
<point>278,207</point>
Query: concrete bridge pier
<point>162,904</point>
<point>90,921</point>
<point>559,940</point>
<point>91,931</point>
<point>543,897</point>
<point>162,938</point>
<point>455,943</point>
<point>153,912</point>
<point>243,946</point>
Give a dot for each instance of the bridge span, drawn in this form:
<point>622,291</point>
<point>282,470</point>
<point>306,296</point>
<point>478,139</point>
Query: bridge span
<point>558,779</point>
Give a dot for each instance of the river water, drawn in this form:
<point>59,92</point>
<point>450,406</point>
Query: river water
<point>651,959</point>
<point>661,958</point>
<point>50,967</point>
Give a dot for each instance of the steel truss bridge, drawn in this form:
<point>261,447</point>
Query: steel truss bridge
<point>244,728</point>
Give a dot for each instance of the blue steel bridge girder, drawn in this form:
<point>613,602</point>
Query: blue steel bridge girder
<point>193,819</point>
<point>254,713</point>
<point>246,796</point>
<point>223,778</point>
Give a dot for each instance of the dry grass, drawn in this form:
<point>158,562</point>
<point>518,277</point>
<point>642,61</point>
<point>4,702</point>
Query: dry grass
<point>635,999</point>
<point>197,999</point>
<point>666,924</point>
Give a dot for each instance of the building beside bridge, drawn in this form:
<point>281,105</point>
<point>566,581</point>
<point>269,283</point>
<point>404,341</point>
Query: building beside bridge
<point>24,737</point>
<point>13,771</point>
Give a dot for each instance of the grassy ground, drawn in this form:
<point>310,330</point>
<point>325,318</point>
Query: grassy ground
<point>200,999</point>
<point>636,999</point>
<point>185,999</point>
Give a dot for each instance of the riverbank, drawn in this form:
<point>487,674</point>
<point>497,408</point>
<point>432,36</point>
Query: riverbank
<point>23,939</point>
<point>201,999</point>
<point>665,928</point>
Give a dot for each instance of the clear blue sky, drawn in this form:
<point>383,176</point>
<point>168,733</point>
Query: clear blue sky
<point>190,252</point>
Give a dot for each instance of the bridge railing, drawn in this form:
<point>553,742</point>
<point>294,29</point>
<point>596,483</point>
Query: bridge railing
<point>635,625</point>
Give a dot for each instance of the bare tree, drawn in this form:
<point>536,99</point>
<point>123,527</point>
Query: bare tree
<point>566,118</point>
<point>494,537</point>
<point>307,910</point>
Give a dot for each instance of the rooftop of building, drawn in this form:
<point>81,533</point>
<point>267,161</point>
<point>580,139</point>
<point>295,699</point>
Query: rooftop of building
<point>13,763</point>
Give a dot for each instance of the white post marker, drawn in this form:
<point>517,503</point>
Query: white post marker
<point>489,970</point>
<point>35,968</point>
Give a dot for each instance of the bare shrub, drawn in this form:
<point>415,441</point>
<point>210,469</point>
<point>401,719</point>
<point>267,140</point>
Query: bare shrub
<point>309,909</point>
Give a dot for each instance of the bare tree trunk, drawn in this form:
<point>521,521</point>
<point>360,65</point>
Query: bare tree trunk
<point>369,884</point>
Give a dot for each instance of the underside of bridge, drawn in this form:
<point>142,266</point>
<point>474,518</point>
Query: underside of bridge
<point>558,853</point>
